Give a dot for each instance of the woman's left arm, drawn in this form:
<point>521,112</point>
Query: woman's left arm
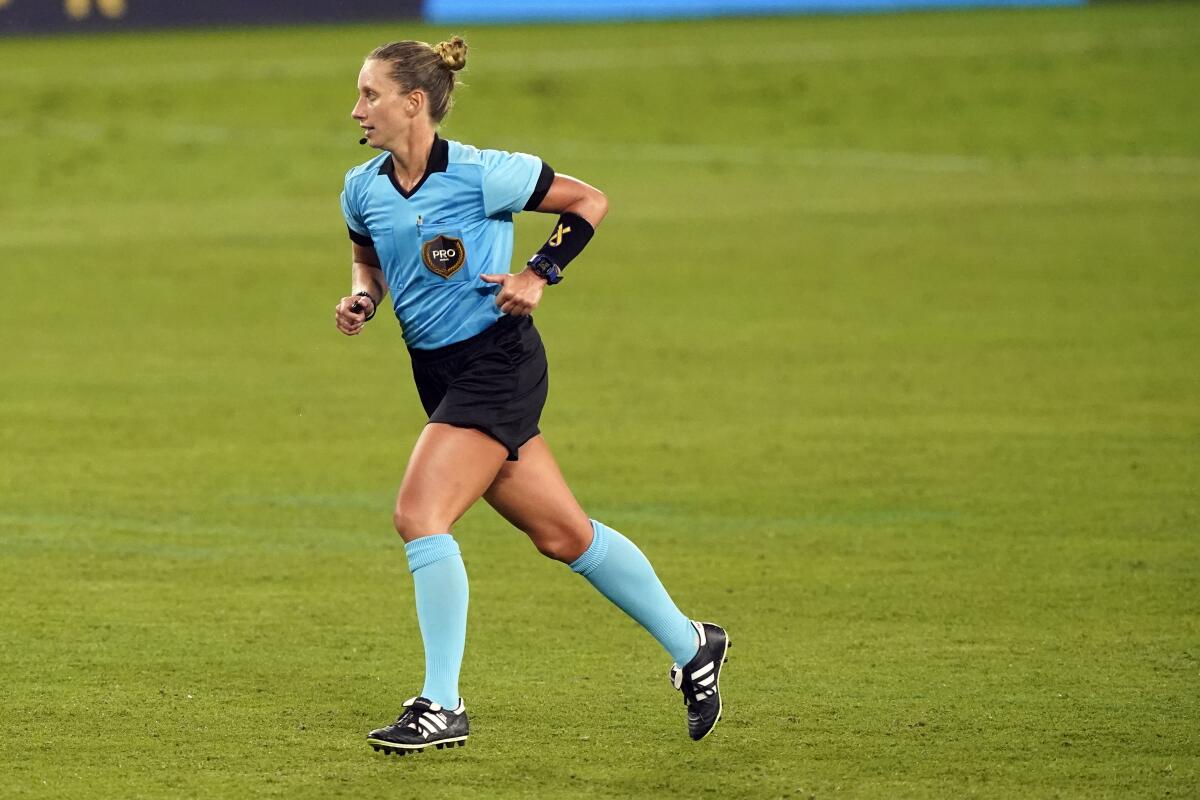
<point>571,195</point>
<point>581,208</point>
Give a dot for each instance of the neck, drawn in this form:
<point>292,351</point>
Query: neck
<point>411,155</point>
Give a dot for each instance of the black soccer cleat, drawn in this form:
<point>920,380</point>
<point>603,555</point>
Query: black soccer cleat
<point>700,680</point>
<point>423,724</point>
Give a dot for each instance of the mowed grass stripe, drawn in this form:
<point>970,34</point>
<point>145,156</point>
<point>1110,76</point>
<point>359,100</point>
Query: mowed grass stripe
<point>758,51</point>
<point>252,135</point>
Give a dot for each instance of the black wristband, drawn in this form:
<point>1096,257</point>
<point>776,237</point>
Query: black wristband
<point>570,236</point>
<point>374,304</point>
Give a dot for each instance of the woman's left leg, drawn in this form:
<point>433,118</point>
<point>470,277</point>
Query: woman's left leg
<point>532,494</point>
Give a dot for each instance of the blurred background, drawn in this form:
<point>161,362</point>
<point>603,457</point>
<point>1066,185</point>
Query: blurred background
<point>886,355</point>
<point>95,15</point>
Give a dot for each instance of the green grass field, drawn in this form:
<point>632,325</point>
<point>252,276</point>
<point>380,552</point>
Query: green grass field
<point>888,355</point>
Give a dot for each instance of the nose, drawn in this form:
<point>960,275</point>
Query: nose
<point>358,113</point>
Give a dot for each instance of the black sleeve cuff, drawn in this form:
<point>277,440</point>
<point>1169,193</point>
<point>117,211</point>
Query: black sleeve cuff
<point>359,239</point>
<point>539,191</point>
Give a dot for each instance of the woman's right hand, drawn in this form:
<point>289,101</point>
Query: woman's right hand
<point>351,314</point>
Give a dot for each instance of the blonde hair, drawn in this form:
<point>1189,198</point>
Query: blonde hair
<point>430,68</point>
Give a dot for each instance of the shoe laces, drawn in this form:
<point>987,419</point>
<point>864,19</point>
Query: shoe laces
<point>414,707</point>
<point>681,682</point>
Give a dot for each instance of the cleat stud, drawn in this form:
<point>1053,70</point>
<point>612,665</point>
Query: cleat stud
<point>440,745</point>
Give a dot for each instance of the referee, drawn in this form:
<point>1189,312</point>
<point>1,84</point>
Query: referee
<point>431,222</point>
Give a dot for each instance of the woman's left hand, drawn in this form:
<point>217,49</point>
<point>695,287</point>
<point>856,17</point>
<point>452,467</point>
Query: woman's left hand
<point>520,293</point>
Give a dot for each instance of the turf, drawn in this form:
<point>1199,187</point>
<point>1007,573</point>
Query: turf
<point>886,355</point>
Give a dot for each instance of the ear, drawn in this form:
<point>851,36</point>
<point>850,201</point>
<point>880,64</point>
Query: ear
<point>414,104</point>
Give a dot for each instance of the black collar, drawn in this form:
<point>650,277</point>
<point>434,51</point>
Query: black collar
<point>439,159</point>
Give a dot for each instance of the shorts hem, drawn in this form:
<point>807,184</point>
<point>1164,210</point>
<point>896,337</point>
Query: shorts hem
<point>513,455</point>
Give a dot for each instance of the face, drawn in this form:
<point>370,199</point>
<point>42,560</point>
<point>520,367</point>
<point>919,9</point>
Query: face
<point>384,110</point>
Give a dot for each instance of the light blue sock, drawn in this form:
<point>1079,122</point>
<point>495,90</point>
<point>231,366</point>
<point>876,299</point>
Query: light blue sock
<point>440,585</point>
<point>620,572</point>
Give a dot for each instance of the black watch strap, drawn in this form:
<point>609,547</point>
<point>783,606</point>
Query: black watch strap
<point>374,304</point>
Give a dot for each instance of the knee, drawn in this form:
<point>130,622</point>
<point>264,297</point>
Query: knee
<point>563,544</point>
<point>412,523</point>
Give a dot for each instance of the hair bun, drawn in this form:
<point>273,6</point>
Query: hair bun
<point>453,53</point>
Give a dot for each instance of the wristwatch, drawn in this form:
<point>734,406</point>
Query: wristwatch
<point>546,268</point>
<point>358,306</point>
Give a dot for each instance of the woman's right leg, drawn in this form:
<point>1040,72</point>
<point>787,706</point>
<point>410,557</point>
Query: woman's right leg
<point>448,471</point>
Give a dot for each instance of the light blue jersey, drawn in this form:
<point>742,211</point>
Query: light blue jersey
<point>435,241</point>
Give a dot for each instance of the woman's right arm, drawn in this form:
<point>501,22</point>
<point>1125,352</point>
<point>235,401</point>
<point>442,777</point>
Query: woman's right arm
<point>366,275</point>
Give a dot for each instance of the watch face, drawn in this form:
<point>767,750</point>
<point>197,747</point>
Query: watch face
<point>546,268</point>
<point>540,263</point>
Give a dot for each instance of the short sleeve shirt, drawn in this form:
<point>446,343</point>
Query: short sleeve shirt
<point>436,240</point>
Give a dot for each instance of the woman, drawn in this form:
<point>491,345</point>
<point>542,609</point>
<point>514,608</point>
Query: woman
<point>430,220</point>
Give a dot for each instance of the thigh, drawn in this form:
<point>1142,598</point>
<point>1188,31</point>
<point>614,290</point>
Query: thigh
<point>450,468</point>
<point>533,495</point>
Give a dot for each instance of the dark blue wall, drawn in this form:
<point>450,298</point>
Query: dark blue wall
<point>28,16</point>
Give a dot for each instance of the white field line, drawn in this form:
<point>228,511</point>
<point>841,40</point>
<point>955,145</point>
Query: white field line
<point>770,157</point>
<point>185,525</point>
<point>722,54</point>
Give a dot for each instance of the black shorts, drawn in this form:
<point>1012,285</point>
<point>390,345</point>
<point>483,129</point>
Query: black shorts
<point>495,382</point>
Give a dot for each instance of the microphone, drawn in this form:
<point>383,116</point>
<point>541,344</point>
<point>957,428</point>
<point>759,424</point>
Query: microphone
<point>363,140</point>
